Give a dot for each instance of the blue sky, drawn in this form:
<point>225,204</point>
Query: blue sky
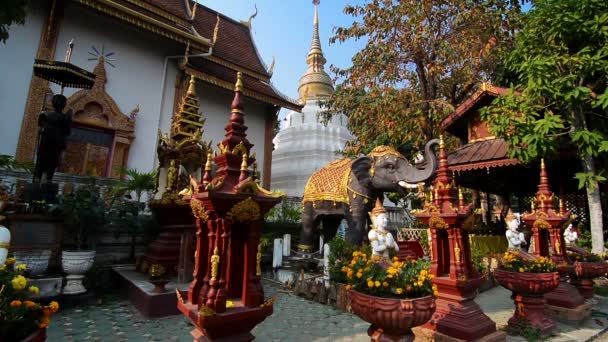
<point>284,29</point>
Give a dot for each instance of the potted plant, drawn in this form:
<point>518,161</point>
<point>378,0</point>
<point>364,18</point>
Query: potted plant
<point>84,213</point>
<point>587,266</point>
<point>529,278</point>
<point>393,296</point>
<point>20,318</point>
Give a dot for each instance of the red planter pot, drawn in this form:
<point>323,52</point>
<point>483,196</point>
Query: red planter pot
<point>392,319</point>
<point>37,336</point>
<point>528,290</point>
<point>583,274</point>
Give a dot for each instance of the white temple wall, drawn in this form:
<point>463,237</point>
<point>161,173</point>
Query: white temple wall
<point>16,60</point>
<point>136,79</point>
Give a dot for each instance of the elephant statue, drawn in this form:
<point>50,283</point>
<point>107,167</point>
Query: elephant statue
<point>347,188</point>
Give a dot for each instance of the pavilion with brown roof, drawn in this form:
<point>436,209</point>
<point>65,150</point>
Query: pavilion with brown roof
<point>482,162</point>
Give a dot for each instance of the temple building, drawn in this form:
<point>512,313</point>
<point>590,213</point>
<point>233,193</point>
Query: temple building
<point>304,143</point>
<point>144,54</point>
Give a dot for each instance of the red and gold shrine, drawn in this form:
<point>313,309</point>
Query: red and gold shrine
<point>457,316</point>
<point>565,302</point>
<point>226,299</point>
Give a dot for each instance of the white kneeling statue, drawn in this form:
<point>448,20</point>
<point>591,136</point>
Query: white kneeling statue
<point>570,235</point>
<point>516,239</point>
<point>380,239</point>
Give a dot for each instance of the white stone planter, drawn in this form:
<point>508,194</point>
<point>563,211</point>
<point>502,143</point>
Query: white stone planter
<point>36,261</point>
<point>76,264</point>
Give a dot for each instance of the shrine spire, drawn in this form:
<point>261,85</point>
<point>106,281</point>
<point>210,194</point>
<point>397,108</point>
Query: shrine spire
<point>315,82</point>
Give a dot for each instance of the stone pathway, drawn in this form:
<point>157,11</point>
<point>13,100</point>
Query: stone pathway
<point>294,319</point>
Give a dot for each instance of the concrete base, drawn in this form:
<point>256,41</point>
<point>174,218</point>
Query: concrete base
<point>424,334</point>
<point>141,293</point>
<point>74,285</point>
<point>570,316</point>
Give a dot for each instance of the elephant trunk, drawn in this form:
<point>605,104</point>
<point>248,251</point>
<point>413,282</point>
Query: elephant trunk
<point>423,171</point>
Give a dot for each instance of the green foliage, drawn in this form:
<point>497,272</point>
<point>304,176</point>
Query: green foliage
<point>285,213</point>
<point>420,60</point>
<point>9,163</point>
<point>84,214</point>
<point>340,252</point>
<point>528,332</point>
<point>560,96</point>
<point>12,12</point>
<point>138,182</point>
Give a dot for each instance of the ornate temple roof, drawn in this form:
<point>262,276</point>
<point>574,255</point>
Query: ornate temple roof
<point>315,82</point>
<point>233,50</point>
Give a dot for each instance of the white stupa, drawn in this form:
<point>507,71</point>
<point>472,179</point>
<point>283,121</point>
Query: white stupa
<point>304,144</point>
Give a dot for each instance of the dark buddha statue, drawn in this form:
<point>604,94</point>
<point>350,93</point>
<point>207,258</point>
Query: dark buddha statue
<point>53,129</point>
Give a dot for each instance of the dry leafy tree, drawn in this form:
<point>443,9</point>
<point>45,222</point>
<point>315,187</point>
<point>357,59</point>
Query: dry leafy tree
<point>421,59</point>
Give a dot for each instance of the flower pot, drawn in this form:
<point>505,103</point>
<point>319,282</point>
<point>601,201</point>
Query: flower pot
<point>36,261</point>
<point>392,319</point>
<point>528,290</point>
<point>37,336</point>
<point>583,274</point>
<point>159,285</point>
<point>76,264</point>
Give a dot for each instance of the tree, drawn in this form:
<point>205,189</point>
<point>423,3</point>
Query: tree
<point>12,11</point>
<point>421,59</point>
<point>560,96</point>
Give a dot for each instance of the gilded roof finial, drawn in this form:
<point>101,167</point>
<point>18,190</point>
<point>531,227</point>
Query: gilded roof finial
<point>542,163</point>
<point>194,10</point>
<point>208,163</point>
<point>248,22</point>
<point>271,68</point>
<point>441,142</point>
<point>239,82</point>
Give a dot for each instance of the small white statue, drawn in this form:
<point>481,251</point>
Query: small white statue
<point>570,235</point>
<point>516,239</point>
<point>380,239</point>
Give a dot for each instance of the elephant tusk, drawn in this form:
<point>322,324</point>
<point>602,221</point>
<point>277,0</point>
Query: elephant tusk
<point>407,185</point>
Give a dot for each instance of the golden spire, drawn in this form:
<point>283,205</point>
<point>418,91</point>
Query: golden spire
<point>239,82</point>
<point>208,163</point>
<point>315,82</point>
<point>244,165</point>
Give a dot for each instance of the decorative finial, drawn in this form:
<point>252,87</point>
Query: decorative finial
<point>192,86</point>
<point>216,30</point>
<point>460,195</point>
<point>208,163</point>
<point>542,163</point>
<point>255,14</point>
<point>441,142</point>
<point>239,82</point>
<point>244,165</point>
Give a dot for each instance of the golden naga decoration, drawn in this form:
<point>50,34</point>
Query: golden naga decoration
<point>239,148</point>
<point>258,259</point>
<point>245,211</point>
<point>437,222</point>
<point>206,311</point>
<point>252,187</point>
<point>457,253</point>
<point>541,224</point>
<point>171,176</point>
<point>269,302</point>
<point>215,263</point>
<point>223,149</point>
<point>329,183</point>
<point>216,184</point>
<point>198,210</point>
<point>179,296</point>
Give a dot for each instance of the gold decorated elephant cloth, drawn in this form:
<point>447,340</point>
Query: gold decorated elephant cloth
<point>329,183</point>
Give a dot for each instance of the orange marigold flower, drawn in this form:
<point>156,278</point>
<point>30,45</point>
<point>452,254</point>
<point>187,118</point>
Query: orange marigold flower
<point>370,284</point>
<point>399,290</point>
<point>377,283</point>
<point>385,284</point>
<point>29,304</point>
<point>16,303</point>
<point>54,306</point>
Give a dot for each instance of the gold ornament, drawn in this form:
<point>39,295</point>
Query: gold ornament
<point>215,262</point>
<point>245,211</point>
<point>457,253</point>
<point>541,224</point>
<point>437,222</point>
<point>206,311</point>
<point>156,270</point>
<point>258,258</point>
<point>329,183</point>
<point>179,296</point>
<point>198,210</point>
